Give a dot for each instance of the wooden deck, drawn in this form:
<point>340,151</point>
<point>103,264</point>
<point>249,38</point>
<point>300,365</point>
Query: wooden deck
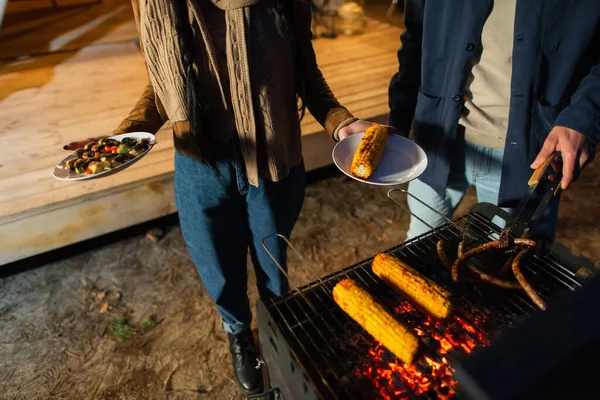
<point>83,74</point>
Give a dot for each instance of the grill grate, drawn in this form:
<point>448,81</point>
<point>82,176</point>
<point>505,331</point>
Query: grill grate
<point>343,361</point>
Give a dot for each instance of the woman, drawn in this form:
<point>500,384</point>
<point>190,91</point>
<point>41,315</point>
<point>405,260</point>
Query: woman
<point>228,74</point>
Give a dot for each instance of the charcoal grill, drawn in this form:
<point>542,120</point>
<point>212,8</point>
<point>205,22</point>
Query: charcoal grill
<point>313,350</point>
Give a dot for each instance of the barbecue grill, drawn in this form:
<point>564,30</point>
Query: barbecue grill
<point>313,350</point>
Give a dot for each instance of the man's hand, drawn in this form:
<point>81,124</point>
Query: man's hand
<point>575,150</point>
<point>361,126</point>
<point>80,143</point>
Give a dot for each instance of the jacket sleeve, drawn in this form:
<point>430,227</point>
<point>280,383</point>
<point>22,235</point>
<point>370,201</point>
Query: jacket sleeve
<point>319,100</point>
<point>583,113</point>
<point>145,115</point>
<point>405,84</point>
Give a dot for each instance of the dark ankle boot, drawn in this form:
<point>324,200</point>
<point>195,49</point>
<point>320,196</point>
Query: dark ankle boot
<point>244,354</point>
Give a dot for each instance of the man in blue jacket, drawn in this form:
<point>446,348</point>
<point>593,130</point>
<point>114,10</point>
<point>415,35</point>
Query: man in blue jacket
<point>492,88</point>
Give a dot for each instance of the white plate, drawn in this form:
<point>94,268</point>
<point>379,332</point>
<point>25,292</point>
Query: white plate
<point>62,173</point>
<point>403,160</point>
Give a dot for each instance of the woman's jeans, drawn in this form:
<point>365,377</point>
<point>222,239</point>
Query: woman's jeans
<point>476,166</point>
<point>222,215</point>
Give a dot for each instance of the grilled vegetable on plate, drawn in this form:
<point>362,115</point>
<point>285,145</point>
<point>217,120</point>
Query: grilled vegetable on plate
<point>105,156</point>
<point>376,158</point>
<point>81,165</point>
<point>372,317</point>
<point>96,166</point>
<point>369,151</point>
<point>124,148</point>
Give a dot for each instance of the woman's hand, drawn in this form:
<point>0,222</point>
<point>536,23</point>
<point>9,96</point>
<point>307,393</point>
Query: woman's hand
<point>361,126</point>
<point>80,143</point>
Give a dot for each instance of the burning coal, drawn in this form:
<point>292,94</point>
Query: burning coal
<point>431,374</point>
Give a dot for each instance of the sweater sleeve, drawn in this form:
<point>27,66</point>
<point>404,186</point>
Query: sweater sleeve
<point>319,98</point>
<point>144,116</point>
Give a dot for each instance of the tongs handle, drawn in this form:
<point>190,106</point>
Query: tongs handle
<point>540,171</point>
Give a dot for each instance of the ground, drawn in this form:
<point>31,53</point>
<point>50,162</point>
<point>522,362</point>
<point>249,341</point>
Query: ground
<point>159,335</point>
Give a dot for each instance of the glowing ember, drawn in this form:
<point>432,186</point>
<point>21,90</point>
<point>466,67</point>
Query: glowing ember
<point>395,380</point>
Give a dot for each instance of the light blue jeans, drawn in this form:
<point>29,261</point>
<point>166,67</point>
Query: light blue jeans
<point>476,166</point>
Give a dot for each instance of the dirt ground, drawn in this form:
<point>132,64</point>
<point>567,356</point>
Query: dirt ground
<point>57,343</point>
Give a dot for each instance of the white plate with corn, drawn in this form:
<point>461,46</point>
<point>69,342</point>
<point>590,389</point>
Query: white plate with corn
<point>376,158</point>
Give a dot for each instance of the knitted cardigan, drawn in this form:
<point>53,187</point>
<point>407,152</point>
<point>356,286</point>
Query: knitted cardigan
<point>267,125</point>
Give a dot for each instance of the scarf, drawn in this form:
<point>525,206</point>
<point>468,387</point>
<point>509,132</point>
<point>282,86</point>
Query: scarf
<point>159,37</point>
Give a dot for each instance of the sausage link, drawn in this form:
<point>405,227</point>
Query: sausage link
<point>471,253</point>
<point>442,255</point>
<point>480,249</point>
<point>505,268</point>
<point>493,280</point>
<point>481,274</point>
<point>446,261</point>
<point>516,267</point>
<point>525,242</point>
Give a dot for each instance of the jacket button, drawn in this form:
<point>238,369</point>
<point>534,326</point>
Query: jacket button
<point>457,97</point>
<point>470,47</point>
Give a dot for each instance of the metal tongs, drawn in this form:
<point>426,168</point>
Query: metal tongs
<point>520,218</point>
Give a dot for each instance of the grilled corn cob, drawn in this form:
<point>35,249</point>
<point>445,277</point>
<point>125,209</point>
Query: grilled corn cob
<point>369,151</point>
<point>369,314</point>
<point>427,294</point>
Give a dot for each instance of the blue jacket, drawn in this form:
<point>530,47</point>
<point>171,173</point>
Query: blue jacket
<point>555,79</point>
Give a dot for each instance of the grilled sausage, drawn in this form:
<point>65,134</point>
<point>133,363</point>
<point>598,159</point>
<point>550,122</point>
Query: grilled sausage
<point>525,242</point>
<point>446,261</point>
<point>442,255</point>
<point>493,280</point>
<point>505,268</point>
<point>479,273</point>
<point>461,259</point>
<point>526,285</point>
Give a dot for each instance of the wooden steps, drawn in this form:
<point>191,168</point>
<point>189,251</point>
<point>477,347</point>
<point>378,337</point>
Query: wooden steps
<point>49,100</point>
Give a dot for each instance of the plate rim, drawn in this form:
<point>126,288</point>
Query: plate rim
<point>396,137</point>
